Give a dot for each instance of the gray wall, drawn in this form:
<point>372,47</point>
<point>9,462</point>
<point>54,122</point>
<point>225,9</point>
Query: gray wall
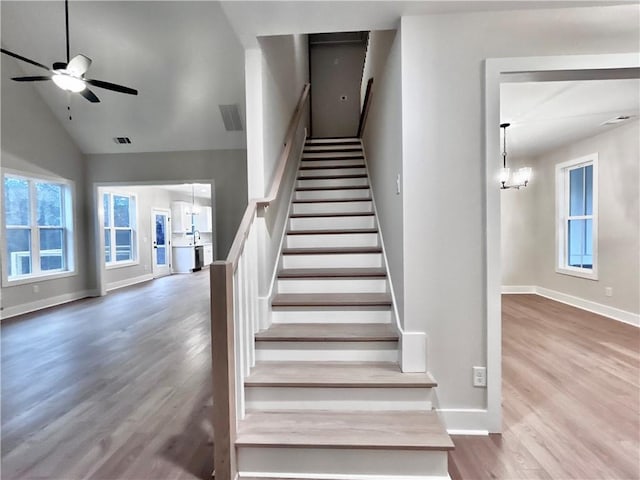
<point>618,216</point>
<point>383,147</point>
<point>336,70</point>
<point>443,165</point>
<point>226,169</point>
<point>34,142</point>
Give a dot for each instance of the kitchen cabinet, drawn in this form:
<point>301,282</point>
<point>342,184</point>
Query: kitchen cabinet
<point>203,221</point>
<point>181,217</point>
<point>183,260</point>
<point>208,253</point>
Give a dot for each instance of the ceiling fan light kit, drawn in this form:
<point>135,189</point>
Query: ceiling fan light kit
<point>516,179</point>
<point>69,76</point>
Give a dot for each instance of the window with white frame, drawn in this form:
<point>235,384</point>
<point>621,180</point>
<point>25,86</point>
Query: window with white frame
<point>38,228</point>
<point>120,238</point>
<point>577,217</point>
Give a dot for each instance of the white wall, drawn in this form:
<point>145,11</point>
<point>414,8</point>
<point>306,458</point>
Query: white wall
<point>34,142</point>
<point>285,70</point>
<point>382,140</point>
<point>443,166</point>
<point>618,216</point>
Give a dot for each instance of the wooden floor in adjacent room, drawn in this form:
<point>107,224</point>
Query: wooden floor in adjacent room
<point>118,388</point>
<point>571,398</point>
<point>112,388</point>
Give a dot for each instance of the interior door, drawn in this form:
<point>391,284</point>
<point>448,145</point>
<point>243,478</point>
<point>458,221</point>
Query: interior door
<point>160,237</point>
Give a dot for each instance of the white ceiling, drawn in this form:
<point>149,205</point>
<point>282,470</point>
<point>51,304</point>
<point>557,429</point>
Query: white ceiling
<point>199,190</point>
<point>183,57</point>
<point>547,115</point>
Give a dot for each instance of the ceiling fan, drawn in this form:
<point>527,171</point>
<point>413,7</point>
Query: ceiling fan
<point>69,76</point>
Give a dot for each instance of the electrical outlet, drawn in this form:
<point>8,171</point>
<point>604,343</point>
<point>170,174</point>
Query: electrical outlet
<point>36,288</point>
<point>608,292</point>
<point>479,376</point>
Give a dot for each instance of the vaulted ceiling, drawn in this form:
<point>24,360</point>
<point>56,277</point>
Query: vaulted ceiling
<point>183,57</point>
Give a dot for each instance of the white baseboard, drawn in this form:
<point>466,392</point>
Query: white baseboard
<point>464,421</point>
<point>127,282</point>
<point>517,289</point>
<point>594,307</point>
<point>44,303</point>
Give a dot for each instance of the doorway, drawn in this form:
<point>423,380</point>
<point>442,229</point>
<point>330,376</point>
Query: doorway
<point>161,255</point>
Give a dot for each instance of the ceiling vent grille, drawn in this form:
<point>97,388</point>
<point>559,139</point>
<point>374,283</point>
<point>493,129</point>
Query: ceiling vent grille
<point>231,118</point>
<point>122,140</point>
<point>618,119</point>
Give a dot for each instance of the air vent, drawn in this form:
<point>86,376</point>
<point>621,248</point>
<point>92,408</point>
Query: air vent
<point>618,119</point>
<point>122,140</point>
<point>231,118</point>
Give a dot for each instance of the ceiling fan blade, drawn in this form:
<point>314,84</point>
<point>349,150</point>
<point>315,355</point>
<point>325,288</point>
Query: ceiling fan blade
<point>24,59</point>
<point>112,86</point>
<point>37,78</point>
<point>78,65</point>
<point>89,95</point>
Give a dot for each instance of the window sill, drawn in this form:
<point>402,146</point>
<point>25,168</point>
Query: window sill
<point>580,273</point>
<point>41,277</point>
<point>114,266</point>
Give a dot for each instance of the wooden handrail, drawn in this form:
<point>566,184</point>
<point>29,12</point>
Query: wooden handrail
<point>365,108</point>
<point>247,218</point>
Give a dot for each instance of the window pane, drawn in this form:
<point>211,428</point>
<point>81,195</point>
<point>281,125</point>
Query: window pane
<point>19,251</point>
<point>121,211</point>
<point>576,242</point>
<point>106,201</point>
<point>588,187</point>
<point>124,247</point>
<point>16,201</point>
<point>587,259</point>
<point>107,245</point>
<point>161,256</point>
<point>49,204</point>
<point>576,192</point>
<point>51,251</point>
<point>160,227</point>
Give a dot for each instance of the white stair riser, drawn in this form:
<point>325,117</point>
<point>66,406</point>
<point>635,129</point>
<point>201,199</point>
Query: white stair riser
<point>355,260</point>
<point>331,155</point>
<point>330,240</point>
<point>283,462</point>
<point>323,351</point>
<point>324,148</point>
<point>332,285</point>
<point>327,223</point>
<point>333,182</point>
<point>337,398</point>
<point>333,207</point>
<point>331,194</point>
<point>355,162</point>
<point>335,140</point>
<point>319,172</point>
<point>331,315</point>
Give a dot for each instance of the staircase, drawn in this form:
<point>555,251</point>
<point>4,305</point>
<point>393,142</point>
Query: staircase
<point>326,398</point>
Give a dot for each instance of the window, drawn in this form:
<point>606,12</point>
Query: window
<point>120,247</point>
<point>577,217</point>
<point>38,222</point>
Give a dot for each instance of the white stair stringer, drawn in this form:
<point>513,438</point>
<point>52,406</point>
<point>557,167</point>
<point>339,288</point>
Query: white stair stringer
<point>326,399</point>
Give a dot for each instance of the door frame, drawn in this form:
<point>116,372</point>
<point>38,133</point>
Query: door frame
<point>154,268</point>
<point>499,70</point>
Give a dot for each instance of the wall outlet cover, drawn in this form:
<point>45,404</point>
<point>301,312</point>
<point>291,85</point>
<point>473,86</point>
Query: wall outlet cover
<point>479,376</point>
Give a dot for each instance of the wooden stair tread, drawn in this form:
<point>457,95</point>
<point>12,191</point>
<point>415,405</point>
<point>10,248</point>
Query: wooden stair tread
<point>321,140</point>
<point>335,374</point>
<point>332,200</point>
<point>394,430</point>
<point>336,231</point>
<point>332,156</point>
<point>331,214</point>
<point>323,167</point>
<point>339,187</point>
<point>330,250</point>
<point>332,273</point>
<point>332,300</point>
<point>334,177</point>
<point>328,332</point>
